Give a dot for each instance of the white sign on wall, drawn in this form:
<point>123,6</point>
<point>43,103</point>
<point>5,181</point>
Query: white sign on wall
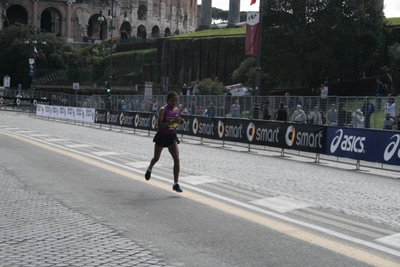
<point>6,81</point>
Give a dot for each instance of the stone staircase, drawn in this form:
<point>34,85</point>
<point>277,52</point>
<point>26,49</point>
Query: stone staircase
<point>58,75</point>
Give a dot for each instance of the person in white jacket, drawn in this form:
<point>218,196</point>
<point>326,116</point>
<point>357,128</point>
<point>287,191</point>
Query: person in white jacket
<point>390,107</point>
<point>315,117</point>
<point>358,119</point>
<point>299,116</point>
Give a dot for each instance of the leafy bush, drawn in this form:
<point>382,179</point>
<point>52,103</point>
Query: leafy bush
<point>210,87</point>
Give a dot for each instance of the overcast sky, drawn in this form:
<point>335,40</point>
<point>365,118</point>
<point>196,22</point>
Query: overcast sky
<point>392,7</point>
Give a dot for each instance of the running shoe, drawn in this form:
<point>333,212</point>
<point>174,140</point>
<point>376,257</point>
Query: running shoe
<point>147,175</point>
<point>177,188</point>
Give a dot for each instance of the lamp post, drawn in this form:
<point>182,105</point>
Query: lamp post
<point>100,19</point>
<point>110,29</point>
<point>110,20</point>
<point>256,108</point>
<point>32,34</point>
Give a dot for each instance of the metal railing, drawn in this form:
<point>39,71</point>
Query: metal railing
<point>197,104</point>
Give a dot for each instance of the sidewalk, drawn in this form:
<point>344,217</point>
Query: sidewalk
<point>37,230</point>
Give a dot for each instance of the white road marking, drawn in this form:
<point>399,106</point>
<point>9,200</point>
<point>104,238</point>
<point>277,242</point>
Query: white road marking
<point>237,203</point>
<point>140,164</point>
<point>196,180</point>
<point>56,140</point>
<point>38,135</point>
<point>104,153</point>
<point>78,145</point>
<point>391,240</point>
<point>281,204</point>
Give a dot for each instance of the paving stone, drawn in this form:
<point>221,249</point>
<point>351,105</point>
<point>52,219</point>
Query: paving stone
<point>46,233</point>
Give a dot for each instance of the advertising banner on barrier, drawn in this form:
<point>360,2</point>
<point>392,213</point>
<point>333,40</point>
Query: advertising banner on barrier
<point>139,120</point>
<point>47,111</point>
<point>389,147</point>
<point>145,121</point>
<point>70,113</point>
<point>364,144</point>
<point>303,137</point>
<point>100,116</point>
<point>310,138</point>
<point>40,110</point>
<point>198,126</point>
<point>79,114</point>
<point>63,112</point>
<point>55,111</point>
<point>88,115</point>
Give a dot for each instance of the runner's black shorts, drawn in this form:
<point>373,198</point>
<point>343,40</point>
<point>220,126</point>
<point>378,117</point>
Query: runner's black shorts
<point>165,140</point>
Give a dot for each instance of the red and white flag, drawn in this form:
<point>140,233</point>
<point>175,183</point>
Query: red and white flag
<point>110,31</point>
<point>35,50</point>
<point>252,33</point>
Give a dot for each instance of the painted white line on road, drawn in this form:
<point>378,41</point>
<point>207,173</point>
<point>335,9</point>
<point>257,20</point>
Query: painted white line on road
<point>357,224</point>
<point>254,208</point>
<point>24,131</point>
<point>104,153</point>
<point>233,201</point>
<point>39,135</point>
<point>281,204</point>
<point>141,164</point>
<point>78,145</point>
<point>197,180</point>
<point>12,129</point>
<point>391,240</point>
<point>56,140</point>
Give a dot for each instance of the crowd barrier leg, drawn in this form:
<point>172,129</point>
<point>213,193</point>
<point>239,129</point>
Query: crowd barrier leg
<point>358,165</point>
<point>110,127</point>
<point>201,141</point>
<point>282,152</point>
<point>248,149</point>
<point>317,158</point>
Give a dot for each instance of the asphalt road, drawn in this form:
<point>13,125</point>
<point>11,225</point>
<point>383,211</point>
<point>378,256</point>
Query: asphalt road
<point>238,208</point>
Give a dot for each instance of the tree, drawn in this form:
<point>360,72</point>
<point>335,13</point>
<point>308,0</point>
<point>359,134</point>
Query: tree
<point>309,41</point>
<point>245,74</point>
<point>56,54</point>
<point>394,66</point>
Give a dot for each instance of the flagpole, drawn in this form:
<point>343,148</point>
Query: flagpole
<point>256,107</point>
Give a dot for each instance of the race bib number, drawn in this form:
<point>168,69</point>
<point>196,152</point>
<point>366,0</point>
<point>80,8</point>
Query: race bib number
<point>173,126</point>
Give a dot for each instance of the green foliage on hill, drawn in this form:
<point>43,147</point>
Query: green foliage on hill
<point>212,33</point>
<point>393,21</point>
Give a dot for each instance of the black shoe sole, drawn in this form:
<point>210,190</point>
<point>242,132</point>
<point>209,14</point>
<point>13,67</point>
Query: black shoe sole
<point>147,175</point>
<point>178,190</point>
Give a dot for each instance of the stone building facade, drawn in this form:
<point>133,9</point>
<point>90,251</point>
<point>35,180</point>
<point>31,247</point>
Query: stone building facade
<point>78,20</point>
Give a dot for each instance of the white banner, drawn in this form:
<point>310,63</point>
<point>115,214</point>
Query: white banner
<point>66,113</point>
